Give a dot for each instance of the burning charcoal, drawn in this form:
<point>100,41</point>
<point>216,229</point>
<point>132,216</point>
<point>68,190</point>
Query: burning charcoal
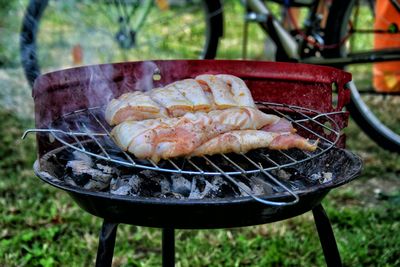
<point>165,186</point>
<point>199,182</point>
<point>282,174</point>
<point>320,178</point>
<point>84,175</point>
<point>327,177</point>
<point>69,180</point>
<point>82,157</point>
<point>149,174</point>
<point>316,177</point>
<point>200,187</point>
<point>260,187</point>
<point>180,185</point>
<point>122,191</point>
<point>299,175</point>
<point>289,174</point>
<point>52,166</point>
<point>149,183</point>
<point>221,188</point>
<point>296,185</point>
<point>124,185</point>
<point>95,185</point>
<point>243,186</point>
<point>79,171</point>
<point>173,195</point>
<point>107,169</point>
<point>257,189</point>
<point>134,182</point>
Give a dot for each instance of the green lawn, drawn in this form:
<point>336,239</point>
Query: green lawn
<point>42,226</point>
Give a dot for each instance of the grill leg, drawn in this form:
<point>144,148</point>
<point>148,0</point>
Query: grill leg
<point>326,237</point>
<point>168,247</point>
<point>105,251</point>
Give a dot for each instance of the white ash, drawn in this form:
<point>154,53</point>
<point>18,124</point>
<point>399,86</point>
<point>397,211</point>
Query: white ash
<point>180,185</point>
<point>260,187</point>
<point>122,190</point>
<point>106,169</point>
<point>218,183</point>
<point>282,174</point>
<point>83,157</point>
<point>94,185</point>
<point>327,177</point>
<point>83,173</point>
<point>165,186</point>
<point>322,177</point>
<point>69,181</point>
<point>213,187</point>
<point>197,192</point>
<point>243,188</point>
<point>127,185</point>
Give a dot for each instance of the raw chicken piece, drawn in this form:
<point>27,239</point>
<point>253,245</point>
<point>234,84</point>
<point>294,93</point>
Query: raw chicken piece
<point>170,98</point>
<point>246,140</point>
<point>133,106</point>
<point>221,93</point>
<point>126,131</point>
<point>241,94</point>
<point>180,136</point>
<point>192,90</point>
<point>207,93</point>
<point>281,126</point>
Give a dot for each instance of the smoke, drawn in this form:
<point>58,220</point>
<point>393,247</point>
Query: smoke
<point>145,76</point>
<point>101,87</point>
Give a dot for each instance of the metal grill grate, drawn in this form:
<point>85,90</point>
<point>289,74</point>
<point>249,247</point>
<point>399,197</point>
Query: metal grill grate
<point>86,131</point>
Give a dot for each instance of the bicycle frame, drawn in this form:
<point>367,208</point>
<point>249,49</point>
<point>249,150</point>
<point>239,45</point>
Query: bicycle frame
<point>140,19</point>
<point>259,12</point>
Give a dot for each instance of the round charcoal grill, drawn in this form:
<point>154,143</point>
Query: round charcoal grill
<point>70,105</point>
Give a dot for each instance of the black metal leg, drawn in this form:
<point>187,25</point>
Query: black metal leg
<point>326,237</point>
<point>168,247</point>
<point>105,251</point>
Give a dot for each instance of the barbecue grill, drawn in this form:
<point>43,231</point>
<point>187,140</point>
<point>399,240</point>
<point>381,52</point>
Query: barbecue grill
<point>69,114</point>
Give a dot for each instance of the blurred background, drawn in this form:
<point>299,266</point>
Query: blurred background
<point>42,226</point>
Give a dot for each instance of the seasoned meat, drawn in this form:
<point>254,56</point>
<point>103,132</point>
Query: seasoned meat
<point>246,140</point>
<point>205,93</point>
<point>172,137</point>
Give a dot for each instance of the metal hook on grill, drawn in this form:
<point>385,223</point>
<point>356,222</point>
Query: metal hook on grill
<point>60,131</point>
<point>250,194</point>
<point>321,115</point>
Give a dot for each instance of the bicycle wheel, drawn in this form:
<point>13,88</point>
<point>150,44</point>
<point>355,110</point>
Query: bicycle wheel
<point>61,34</point>
<point>350,26</point>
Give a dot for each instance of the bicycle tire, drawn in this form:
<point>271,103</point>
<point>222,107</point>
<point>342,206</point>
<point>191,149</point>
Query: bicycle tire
<point>373,126</point>
<point>36,12</point>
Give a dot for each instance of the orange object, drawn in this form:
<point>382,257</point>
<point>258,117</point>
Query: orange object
<point>77,54</point>
<point>386,75</point>
<point>162,4</point>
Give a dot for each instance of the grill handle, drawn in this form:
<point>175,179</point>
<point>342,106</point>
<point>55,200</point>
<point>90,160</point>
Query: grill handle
<point>29,131</point>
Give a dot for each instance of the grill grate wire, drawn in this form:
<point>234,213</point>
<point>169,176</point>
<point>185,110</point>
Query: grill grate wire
<point>90,125</point>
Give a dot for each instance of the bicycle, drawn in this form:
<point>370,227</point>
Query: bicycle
<point>320,40</point>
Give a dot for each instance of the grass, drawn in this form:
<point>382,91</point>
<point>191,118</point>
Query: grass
<point>42,226</point>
